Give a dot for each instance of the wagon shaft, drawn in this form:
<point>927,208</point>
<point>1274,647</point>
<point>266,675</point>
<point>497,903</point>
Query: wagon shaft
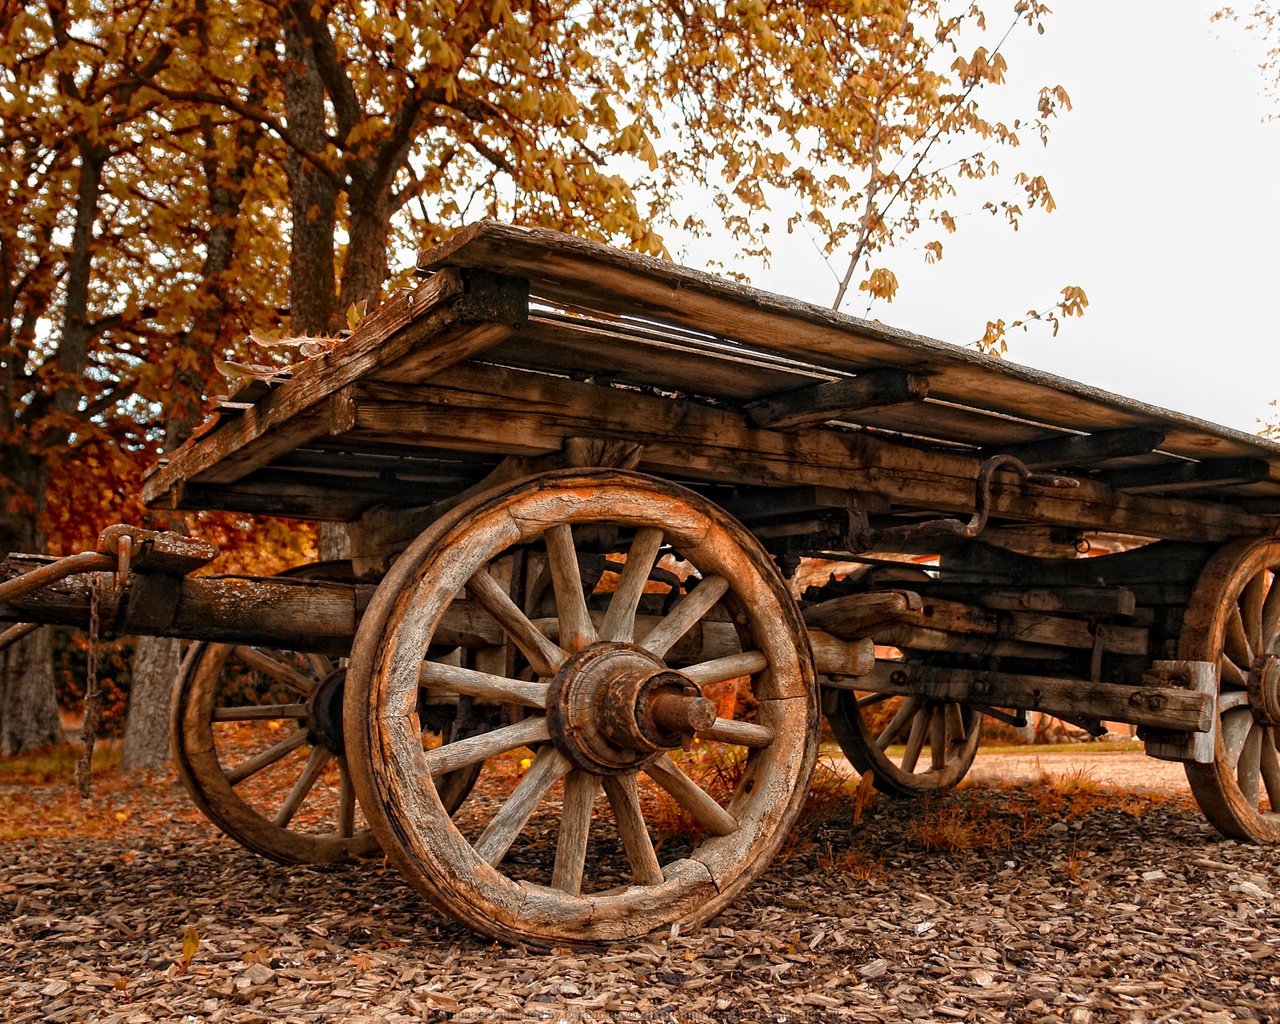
<point>317,615</point>
<point>306,615</point>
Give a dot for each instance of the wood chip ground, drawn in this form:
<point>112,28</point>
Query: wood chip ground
<point>1085,905</point>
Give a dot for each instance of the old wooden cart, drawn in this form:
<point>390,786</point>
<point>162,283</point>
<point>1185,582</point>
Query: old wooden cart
<point>578,486</point>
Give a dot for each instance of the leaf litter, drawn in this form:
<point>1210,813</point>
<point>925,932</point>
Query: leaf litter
<point>1135,911</point>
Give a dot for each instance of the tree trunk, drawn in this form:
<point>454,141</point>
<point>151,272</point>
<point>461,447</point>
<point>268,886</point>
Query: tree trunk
<point>28,708</point>
<point>28,711</point>
<point>313,195</point>
<point>146,733</point>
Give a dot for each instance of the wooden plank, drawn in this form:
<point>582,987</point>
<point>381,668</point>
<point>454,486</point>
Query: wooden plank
<point>493,409</point>
<point>923,618</point>
<point>1159,706</point>
<point>1169,564</point>
<point>1081,449</point>
<point>562,268</point>
<point>446,320</point>
<point>955,423</point>
<point>665,359</point>
<point>838,399</point>
<point>1186,476</point>
<point>1116,601</point>
<point>314,496</point>
<point>756,504</point>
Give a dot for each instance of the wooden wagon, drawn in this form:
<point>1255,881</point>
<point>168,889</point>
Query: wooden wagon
<point>579,487</point>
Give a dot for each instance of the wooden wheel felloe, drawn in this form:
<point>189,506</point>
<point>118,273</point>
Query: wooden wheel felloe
<point>249,724</point>
<point>939,740</point>
<point>257,738</point>
<point>1233,620</point>
<point>614,691</point>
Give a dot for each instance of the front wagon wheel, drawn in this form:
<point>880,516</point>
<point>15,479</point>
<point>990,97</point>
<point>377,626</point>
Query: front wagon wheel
<point>625,681</point>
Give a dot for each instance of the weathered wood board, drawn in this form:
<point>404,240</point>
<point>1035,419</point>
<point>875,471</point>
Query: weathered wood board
<point>521,340</point>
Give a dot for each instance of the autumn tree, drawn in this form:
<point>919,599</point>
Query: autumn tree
<point>394,124</point>
<point>116,277</point>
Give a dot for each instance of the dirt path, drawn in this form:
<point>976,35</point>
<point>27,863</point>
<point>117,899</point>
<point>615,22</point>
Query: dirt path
<point>1125,769</point>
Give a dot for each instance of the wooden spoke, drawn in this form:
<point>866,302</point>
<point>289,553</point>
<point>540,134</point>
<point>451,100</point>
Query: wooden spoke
<point>713,818</point>
<point>731,667</point>
<point>1231,700</point>
<point>545,657</point>
<point>1271,614</point>
<point>1235,730</point>
<point>1251,601</point>
<point>310,774</point>
<point>453,756</point>
<point>346,802</point>
<point>906,709</point>
<point>624,797</point>
<point>743,734</point>
<point>580,790</point>
<point>687,611</point>
<point>955,723</point>
<point>871,699</point>
<point>1231,674</point>
<point>915,740</point>
<point>576,628</point>
<point>938,740</point>
<point>262,662</point>
<point>547,769</point>
<point>268,757</point>
<point>620,620</point>
<point>1269,764</point>
<point>1249,771</point>
<point>320,665</point>
<point>260,713</point>
<point>1236,641</point>
<point>484,685</point>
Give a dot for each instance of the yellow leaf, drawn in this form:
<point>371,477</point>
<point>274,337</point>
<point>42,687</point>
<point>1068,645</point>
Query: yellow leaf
<point>190,943</point>
<point>355,313</point>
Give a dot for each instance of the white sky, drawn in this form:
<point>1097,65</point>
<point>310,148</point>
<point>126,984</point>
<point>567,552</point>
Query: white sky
<point>1165,174</point>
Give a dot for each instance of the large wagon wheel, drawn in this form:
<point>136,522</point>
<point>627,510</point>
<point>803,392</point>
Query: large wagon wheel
<point>1233,620</point>
<point>950,732</point>
<point>245,719</point>
<point>606,710</point>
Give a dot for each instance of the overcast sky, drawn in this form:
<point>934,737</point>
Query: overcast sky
<point>1165,174</point>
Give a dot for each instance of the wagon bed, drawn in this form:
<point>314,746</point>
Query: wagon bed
<point>519,339</point>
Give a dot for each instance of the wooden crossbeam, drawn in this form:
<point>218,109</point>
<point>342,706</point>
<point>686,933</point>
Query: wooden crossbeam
<point>836,399</point>
<point>1187,476</point>
<point>492,409</point>
<point>1080,449</point>
<point>752,504</point>
<point>1165,707</point>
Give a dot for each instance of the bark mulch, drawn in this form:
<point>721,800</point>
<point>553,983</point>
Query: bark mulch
<point>1054,901</point>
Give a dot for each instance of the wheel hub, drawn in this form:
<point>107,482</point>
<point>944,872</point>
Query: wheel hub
<point>1264,689</point>
<point>324,712</point>
<point>613,708</point>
